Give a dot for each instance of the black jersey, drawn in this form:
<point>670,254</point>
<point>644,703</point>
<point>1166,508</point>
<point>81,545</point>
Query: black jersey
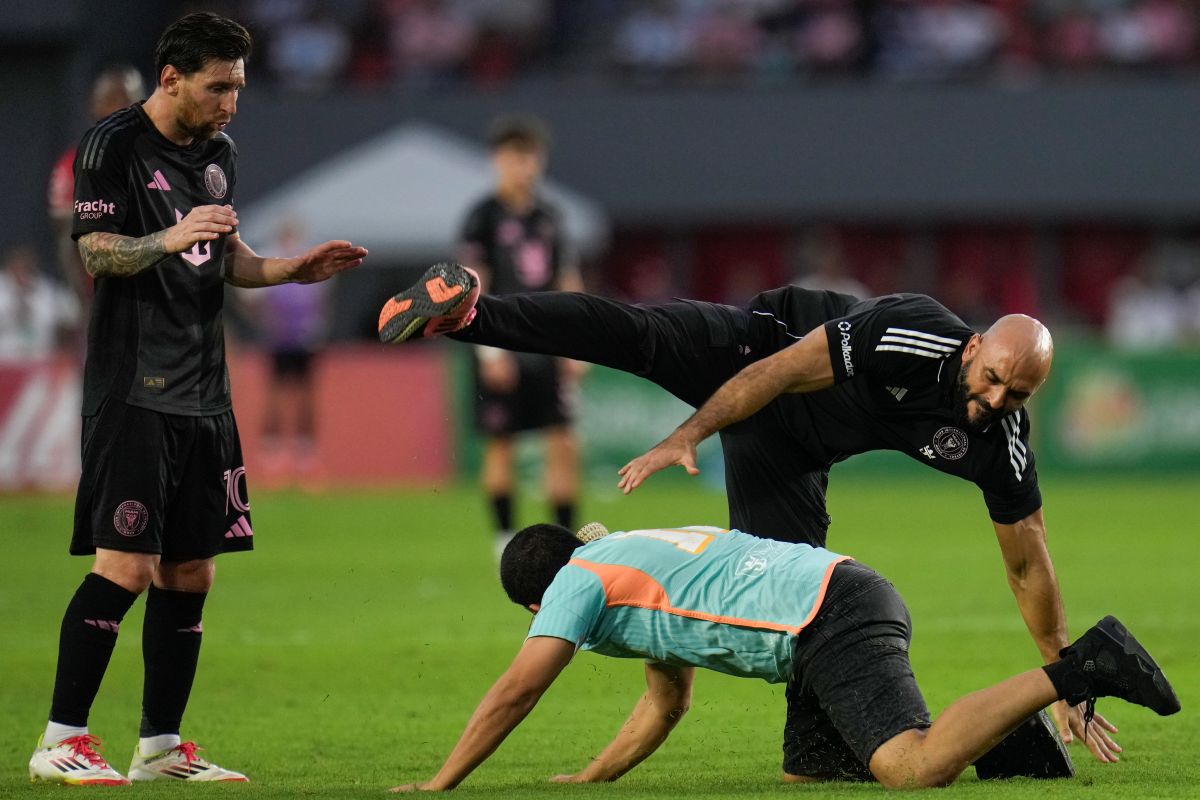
<point>896,362</point>
<point>156,339</point>
<point>524,252</point>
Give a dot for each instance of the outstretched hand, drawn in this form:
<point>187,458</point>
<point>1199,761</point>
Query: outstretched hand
<point>667,453</point>
<point>326,260</point>
<point>1069,720</point>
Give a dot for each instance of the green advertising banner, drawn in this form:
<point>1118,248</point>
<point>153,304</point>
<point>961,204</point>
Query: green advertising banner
<point>620,417</point>
<point>1109,409</point>
<point>1101,409</point>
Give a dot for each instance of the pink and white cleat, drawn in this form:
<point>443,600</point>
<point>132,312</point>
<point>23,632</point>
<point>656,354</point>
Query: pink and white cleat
<point>442,301</point>
<point>179,763</point>
<point>74,761</point>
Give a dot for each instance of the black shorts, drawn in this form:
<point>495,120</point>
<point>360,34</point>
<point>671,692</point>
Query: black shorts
<point>690,349</point>
<point>541,399</point>
<point>161,483</point>
<point>852,687</point>
<point>291,363</point>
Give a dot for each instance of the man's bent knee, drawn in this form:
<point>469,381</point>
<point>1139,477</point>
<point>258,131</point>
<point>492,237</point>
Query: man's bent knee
<point>186,576</point>
<point>131,571</point>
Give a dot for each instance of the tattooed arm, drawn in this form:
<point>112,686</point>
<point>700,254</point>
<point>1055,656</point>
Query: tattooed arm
<point>111,255</point>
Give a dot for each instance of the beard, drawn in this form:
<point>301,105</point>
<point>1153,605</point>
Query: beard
<point>192,122</point>
<point>962,396</point>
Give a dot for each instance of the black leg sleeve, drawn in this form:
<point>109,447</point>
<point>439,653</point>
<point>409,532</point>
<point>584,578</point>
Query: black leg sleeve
<point>688,348</point>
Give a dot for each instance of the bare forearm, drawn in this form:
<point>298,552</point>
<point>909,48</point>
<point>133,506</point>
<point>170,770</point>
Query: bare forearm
<point>497,715</point>
<point>1033,582</point>
<point>110,255</point>
<point>251,271</point>
<point>803,367</point>
<point>1041,606</point>
<point>741,396</point>
<point>645,730</point>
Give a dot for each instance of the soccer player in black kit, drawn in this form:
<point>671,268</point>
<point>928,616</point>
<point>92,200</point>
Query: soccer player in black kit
<point>163,489</point>
<point>514,240</point>
<point>797,381</point>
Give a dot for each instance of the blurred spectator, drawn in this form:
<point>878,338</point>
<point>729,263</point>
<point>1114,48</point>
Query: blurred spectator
<point>292,320</point>
<point>114,88</point>
<point>35,312</point>
<point>824,265</point>
<point>653,41</point>
<point>309,53</point>
<point>430,40</point>
<point>433,43</point>
<point>832,36</point>
<point>937,38</point>
<point>1145,313</point>
<point>725,39</point>
<point>1153,305</point>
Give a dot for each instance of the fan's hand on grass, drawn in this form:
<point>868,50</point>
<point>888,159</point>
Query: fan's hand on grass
<point>670,451</point>
<point>411,787</point>
<point>1069,720</point>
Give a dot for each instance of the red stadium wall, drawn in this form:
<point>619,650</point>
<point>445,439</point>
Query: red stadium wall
<point>383,418</point>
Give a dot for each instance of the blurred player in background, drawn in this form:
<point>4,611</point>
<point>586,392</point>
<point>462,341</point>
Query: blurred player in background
<point>515,241</point>
<point>116,87</point>
<point>163,486</point>
<point>835,631</point>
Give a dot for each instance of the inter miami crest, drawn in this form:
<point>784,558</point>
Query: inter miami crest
<point>950,443</point>
<point>215,182</point>
<point>131,518</point>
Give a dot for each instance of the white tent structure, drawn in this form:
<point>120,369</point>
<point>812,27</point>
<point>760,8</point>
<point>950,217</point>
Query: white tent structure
<point>402,195</point>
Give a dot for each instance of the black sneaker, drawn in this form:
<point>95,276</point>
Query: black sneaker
<point>1113,663</point>
<point>1032,750</point>
<point>442,301</point>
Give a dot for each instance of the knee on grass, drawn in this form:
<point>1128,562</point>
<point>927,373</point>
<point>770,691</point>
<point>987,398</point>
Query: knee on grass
<point>902,763</point>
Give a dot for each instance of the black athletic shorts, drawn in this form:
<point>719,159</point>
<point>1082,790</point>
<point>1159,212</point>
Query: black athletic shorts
<point>161,483</point>
<point>852,687</point>
<point>291,363</point>
<point>541,399</point>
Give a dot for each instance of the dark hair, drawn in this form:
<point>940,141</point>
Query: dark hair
<point>520,130</point>
<point>532,559</point>
<point>198,38</point>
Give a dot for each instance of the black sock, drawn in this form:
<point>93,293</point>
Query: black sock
<point>1068,680</point>
<point>502,505</point>
<point>170,650</point>
<point>85,644</point>
<point>564,514</point>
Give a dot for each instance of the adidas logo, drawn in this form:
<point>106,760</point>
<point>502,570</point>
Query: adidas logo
<point>159,182</point>
<point>897,392</point>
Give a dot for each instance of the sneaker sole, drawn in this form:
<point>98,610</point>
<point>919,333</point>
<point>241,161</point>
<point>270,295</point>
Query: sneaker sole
<point>93,782</point>
<point>1153,688</point>
<point>440,293</point>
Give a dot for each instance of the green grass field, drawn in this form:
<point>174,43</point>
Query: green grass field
<point>344,655</point>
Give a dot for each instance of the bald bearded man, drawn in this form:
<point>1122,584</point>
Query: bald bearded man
<point>795,382</point>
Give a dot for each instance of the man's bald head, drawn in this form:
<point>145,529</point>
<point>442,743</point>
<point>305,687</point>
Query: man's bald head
<point>1002,368</point>
<point>1022,343</point>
